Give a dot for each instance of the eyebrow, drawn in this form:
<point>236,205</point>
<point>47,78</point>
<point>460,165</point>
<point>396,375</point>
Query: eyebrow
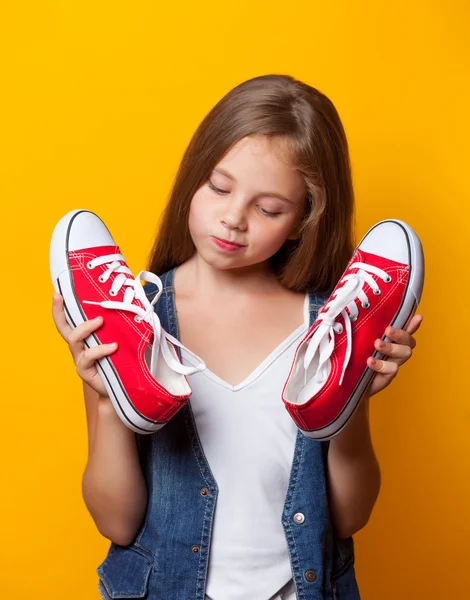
<point>272,194</point>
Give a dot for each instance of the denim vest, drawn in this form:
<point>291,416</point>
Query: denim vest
<point>168,558</point>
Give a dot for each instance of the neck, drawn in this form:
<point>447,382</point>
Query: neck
<point>237,282</point>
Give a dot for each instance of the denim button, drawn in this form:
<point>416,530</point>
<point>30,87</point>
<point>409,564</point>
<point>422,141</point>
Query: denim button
<point>195,549</point>
<point>299,518</point>
<point>310,575</point>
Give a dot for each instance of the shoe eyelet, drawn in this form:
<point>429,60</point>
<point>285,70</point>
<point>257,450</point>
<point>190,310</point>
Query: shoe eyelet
<point>366,305</point>
<point>111,293</point>
<point>89,265</point>
<point>353,319</point>
<point>377,292</point>
<point>340,328</point>
<point>101,278</point>
<point>388,279</point>
<point>137,319</point>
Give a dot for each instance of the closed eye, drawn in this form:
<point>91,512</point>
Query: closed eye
<point>269,214</point>
<point>222,192</point>
<point>216,189</point>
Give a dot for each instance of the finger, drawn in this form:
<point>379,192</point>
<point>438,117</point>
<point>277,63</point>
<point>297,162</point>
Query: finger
<point>400,336</point>
<point>87,358</point>
<point>77,336</point>
<point>58,314</point>
<point>401,352</point>
<point>414,324</point>
<point>383,367</point>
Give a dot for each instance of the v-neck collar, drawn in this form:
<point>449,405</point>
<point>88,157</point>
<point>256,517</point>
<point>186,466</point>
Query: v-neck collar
<point>264,364</point>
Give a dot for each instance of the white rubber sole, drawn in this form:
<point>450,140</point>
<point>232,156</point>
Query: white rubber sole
<point>401,320</point>
<point>62,282</point>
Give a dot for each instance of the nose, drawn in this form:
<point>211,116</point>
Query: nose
<point>233,215</point>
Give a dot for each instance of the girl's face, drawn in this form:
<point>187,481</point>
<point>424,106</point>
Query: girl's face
<point>239,204</point>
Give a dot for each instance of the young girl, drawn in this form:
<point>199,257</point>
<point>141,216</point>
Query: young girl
<point>229,501</point>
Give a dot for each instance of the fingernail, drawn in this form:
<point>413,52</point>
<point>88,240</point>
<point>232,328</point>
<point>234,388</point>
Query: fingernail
<point>112,345</point>
<point>373,361</point>
<point>96,319</point>
<point>392,330</point>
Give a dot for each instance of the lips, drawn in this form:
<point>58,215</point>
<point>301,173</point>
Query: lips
<point>229,242</point>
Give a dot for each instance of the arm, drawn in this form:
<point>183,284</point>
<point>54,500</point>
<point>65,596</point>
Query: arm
<point>353,474</point>
<point>113,485</point>
<point>353,470</point>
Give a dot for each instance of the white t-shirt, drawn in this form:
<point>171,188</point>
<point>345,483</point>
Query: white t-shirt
<point>248,438</point>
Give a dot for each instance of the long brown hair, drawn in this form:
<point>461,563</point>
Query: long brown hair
<point>309,128</point>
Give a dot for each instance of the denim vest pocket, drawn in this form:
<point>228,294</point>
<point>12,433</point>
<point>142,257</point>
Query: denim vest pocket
<point>344,585</point>
<point>125,572</point>
<point>343,555</point>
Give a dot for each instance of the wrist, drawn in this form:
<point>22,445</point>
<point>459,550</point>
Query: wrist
<point>109,418</point>
<point>106,408</point>
<point>103,400</point>
<point>355,438</point>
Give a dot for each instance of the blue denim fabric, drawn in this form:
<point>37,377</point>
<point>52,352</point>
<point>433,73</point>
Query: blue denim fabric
<point>168,558</point>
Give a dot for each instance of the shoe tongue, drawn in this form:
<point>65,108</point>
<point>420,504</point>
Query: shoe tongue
<point>148,358</point>
<point>148,355</point>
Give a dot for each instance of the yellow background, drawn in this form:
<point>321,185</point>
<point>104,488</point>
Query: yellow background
<point>97,102</point>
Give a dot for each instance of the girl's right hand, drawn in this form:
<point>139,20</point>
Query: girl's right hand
<point>84,358</point>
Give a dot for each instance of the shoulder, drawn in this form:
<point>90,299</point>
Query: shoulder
<point>163,305</point>
<point>318,299</point>
<point>151,289</point>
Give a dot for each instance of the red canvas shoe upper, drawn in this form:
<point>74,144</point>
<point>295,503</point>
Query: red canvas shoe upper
<point>109,290</point>
<point>342,338</point>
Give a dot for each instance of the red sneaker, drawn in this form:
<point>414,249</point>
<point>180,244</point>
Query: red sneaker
<point>144,377</point>
<point>381,286</point>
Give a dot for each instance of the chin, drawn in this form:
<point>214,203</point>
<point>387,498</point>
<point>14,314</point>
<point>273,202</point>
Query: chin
<point>220,264</point>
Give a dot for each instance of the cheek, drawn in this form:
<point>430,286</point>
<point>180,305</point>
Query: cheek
<point>192,219</point>
<point>269,237</point>
<point>198,213</point>
<point>266,241</point>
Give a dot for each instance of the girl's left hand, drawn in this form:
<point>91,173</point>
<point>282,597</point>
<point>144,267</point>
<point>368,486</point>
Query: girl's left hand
<point>399,351</point>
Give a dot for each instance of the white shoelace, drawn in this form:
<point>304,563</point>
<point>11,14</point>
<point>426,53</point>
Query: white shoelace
<point>324,336</point>
<point>136,291</point>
